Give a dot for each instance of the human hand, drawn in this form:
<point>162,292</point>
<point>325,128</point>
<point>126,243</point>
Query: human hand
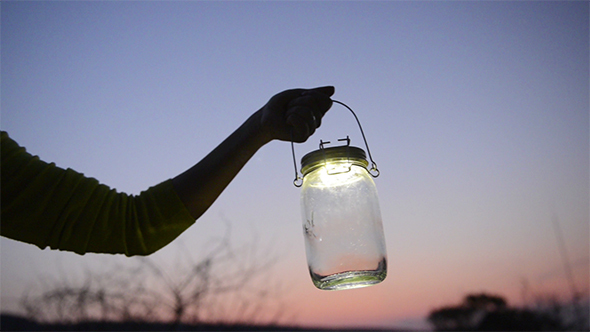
<point>295,114</point>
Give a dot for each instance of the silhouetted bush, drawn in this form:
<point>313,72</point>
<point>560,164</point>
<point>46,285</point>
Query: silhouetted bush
<point>484,312</point>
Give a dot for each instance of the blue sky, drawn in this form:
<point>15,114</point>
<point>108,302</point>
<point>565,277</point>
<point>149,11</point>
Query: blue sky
<point>477,114</point>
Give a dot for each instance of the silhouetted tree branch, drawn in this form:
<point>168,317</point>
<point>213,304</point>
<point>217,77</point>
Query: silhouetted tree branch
<point>227,284</point>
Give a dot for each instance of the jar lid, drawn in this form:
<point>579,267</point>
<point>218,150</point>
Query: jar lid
<point>351,153</point>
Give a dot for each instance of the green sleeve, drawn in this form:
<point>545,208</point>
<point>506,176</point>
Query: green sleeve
<point>45,205</point>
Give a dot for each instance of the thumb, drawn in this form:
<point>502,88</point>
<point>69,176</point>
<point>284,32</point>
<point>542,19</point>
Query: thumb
<point>327,90</point>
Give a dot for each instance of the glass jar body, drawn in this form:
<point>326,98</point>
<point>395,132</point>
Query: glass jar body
<point>342,225</point>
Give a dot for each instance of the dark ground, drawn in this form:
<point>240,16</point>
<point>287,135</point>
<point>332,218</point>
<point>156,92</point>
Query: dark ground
<point>10,322</point>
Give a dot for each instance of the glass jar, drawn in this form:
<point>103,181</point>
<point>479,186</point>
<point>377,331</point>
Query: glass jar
<point>342,223</point>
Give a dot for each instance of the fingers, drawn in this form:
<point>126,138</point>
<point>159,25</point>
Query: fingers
<point>300,126</point>
<point>295,114</point>
<point>303,122</point>
<point>319,97</point>
<point>313,115</point>
<point>312,104</point>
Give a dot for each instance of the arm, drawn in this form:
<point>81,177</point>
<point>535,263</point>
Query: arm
<point>296,111</point>
<point>45,205</point>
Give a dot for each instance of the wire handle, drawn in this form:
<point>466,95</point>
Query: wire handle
<point>374,171</point>
<point>298,181</point>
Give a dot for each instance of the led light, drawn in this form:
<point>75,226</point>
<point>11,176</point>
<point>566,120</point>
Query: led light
<point>337,174</point>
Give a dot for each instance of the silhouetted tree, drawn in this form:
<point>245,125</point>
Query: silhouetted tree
<point>223,286</point>
<point>520,320</point>
<point>484,312</point>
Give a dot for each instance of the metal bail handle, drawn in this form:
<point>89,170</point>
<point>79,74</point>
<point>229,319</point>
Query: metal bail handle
<point>298,182</point>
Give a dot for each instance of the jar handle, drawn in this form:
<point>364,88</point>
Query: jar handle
<point>374,171</point>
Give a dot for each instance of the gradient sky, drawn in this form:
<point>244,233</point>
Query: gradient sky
<point>477,114</point>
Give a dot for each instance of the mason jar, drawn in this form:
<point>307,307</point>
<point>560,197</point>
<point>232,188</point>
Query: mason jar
<point>342,225</point>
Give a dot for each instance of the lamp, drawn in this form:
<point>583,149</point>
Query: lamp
<point>341,218</point>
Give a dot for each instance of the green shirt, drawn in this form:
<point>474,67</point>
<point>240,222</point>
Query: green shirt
<point>45,205</point>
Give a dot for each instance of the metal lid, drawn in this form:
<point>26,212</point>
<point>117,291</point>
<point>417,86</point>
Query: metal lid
<point>351,153</point>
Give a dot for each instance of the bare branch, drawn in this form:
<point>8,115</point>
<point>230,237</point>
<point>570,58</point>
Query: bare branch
<point>225,284</point>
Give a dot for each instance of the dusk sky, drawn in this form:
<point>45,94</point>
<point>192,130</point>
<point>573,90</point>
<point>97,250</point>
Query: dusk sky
<point>477,114</point>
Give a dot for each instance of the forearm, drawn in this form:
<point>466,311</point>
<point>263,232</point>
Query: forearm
<point>290,115</point>
<point>199,186</point>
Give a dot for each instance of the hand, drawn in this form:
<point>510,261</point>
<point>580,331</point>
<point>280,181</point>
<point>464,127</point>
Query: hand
<point>295,114</point>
